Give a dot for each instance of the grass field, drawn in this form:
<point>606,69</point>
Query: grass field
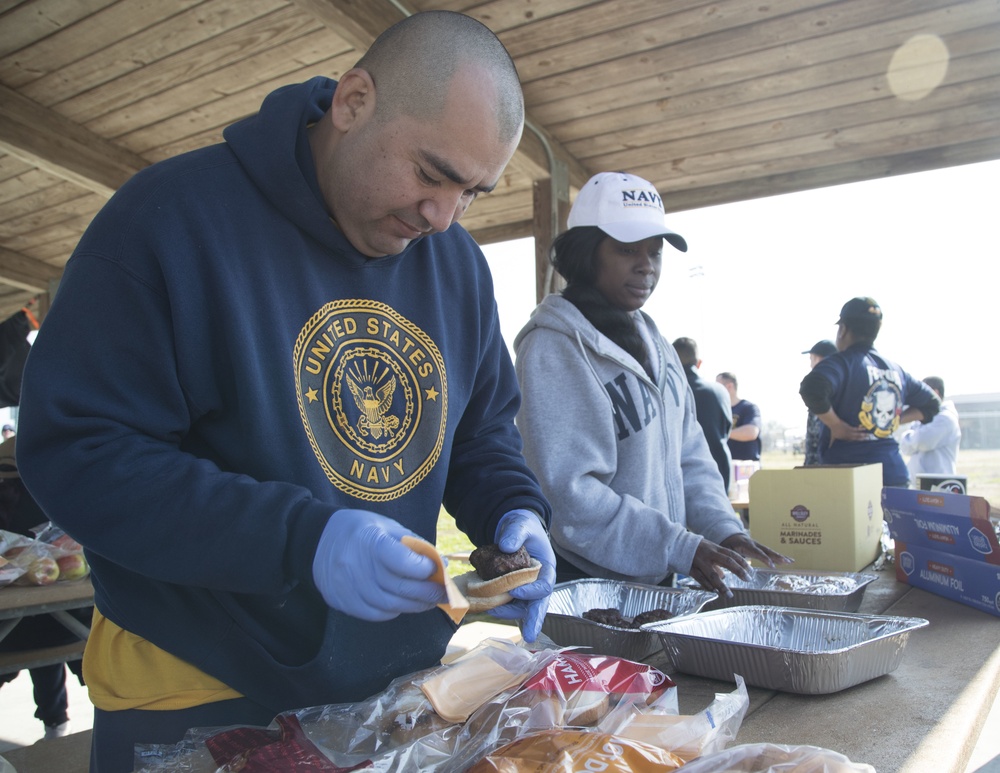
<point>981,467</point>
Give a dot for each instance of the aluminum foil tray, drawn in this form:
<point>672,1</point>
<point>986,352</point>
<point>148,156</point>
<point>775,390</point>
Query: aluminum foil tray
<point>565,626</point>
<point>832,591</point>
<point>781,648</point>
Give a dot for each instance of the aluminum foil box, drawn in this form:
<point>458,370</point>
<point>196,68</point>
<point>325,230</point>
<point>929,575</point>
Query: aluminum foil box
<point>965,580</point>
<point>825,517</point>
<point>937,520</point>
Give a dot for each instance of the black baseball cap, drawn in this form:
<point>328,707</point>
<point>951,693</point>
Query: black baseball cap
<point>822,348</point>
<point>860,308</point>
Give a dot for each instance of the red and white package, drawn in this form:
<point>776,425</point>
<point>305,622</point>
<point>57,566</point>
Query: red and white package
<point>570,690</point>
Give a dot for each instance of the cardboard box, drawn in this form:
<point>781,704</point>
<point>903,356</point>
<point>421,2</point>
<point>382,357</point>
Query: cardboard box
<point>827,518</point>
<point>956,484</point>
<point>936,520</point>
<point>968,581</point>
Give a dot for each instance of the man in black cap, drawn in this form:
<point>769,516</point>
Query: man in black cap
<point>819,352</point>
<point>862,398</point>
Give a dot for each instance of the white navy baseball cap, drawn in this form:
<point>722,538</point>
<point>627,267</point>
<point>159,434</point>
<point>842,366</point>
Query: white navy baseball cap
<point>625,207</point>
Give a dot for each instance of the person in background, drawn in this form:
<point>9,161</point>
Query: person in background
<point>744,437</point>
<point>309,269</point>
<point>607,416</point>
<point>819,352</point>
<point>712,405</point>
<point>862,397</point>
<point>932,448</point>
<point>7,431</point>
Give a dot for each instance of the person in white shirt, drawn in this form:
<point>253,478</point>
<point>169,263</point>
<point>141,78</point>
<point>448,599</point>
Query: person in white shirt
<point>932,448</point>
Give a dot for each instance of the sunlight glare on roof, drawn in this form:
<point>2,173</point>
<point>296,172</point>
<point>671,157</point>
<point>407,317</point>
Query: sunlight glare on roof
<point>918,67</point>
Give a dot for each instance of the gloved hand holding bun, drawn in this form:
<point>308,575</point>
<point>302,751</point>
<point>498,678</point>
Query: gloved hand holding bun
<point>529,596</point>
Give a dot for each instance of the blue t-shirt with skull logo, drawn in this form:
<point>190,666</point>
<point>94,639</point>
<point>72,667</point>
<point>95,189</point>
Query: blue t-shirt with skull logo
<point>871,392</point>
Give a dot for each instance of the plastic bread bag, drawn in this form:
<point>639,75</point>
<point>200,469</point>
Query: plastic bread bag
<point>506,691</point>
<point>687,735</point>
<point>573,750</point>
<point>422,710</point>
<point>281,746</point>
<point>398,729</point>
<point>571,690</point>
<point>775,758</point>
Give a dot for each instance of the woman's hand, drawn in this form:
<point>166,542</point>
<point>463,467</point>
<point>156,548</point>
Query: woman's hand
<point>749,548</point>
<point>710,559</point>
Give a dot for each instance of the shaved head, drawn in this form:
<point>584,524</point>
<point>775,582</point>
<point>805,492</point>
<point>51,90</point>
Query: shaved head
<point>414,62</point>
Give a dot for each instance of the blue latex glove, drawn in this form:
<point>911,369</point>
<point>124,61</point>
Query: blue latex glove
<point>523,527</point>
<point>362,569</point>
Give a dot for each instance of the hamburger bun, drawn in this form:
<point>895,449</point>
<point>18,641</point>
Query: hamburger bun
<point>484,595</point>
<point>586,707</point>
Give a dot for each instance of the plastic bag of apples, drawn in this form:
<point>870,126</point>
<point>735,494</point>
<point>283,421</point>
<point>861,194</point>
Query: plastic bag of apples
<point>51,556</point>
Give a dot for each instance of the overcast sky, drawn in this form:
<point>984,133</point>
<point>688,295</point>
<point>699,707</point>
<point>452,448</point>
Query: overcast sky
<point>763,280</point>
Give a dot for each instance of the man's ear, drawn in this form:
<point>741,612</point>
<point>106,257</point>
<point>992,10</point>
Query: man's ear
<point>353,100</point>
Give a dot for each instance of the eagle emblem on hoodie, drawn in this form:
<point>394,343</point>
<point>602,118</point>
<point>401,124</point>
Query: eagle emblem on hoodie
<point>373,406</point>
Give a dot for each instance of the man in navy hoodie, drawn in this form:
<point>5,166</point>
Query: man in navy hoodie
<point>862,397</point>
<point>308,270</point>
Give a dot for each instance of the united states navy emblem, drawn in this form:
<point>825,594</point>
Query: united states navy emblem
<point>372,394</point>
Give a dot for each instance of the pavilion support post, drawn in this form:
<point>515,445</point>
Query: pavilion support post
<point>550,210</point>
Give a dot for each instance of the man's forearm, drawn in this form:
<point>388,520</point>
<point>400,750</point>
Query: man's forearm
<point>745,433</point>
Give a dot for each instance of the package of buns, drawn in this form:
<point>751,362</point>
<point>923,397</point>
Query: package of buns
<point>439,720</point>
<point>572,690</point>
<point>688,736</point>
<point>776,758</point>
<point>570,751</point>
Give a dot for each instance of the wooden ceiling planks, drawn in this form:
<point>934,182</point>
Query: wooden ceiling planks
<point>272,43</point>
<point>713,101</point>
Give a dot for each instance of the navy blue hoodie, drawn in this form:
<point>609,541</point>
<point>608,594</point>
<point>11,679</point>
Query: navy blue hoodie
<point>221,370</point>
<point>867,390</point>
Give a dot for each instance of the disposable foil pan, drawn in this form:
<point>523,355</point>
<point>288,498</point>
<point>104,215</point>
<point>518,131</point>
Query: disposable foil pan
<point>564,624</point>
<point>832,591</point>
<point>781,648</point>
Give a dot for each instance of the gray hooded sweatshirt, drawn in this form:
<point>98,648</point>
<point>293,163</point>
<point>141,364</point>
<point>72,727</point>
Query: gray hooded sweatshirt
<point>622,460</point>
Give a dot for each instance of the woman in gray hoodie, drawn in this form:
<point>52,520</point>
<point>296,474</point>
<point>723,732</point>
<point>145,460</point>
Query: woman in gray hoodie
<point>607,416</point>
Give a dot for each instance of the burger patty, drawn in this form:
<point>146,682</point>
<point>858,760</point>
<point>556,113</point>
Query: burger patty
<point>616,619</point>
<point>490,562</point>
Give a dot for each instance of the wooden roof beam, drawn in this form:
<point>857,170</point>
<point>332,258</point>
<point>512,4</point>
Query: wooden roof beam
<point>358,22</point>
<point>44,138</point>
<point>19,270</point>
